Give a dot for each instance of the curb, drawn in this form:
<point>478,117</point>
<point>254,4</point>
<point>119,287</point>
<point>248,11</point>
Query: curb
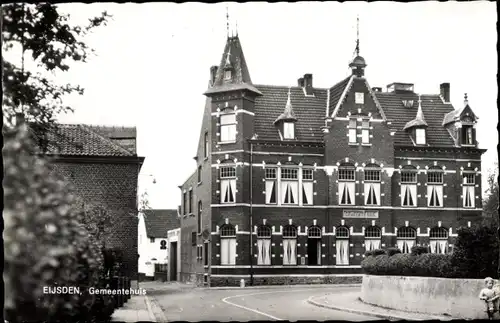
<point>155,312</point>
<point>378,315</point>
<point>280,286</point>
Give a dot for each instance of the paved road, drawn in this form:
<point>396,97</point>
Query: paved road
<point>279,303</point>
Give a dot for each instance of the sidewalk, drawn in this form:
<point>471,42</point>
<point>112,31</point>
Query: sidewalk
<point>136,309</point>
<point>350,302</point>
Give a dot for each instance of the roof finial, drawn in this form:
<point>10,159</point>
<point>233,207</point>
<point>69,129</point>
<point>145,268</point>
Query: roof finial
<point>357,35</point>
<point>227,21</point>
<point>420,113</point>
<point>466,100</point>
<point>236,28</point>
<point>288,101</point>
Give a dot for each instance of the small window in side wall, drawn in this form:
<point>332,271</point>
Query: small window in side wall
<point>193,238</point>
<point>289,130</point>
<point>420,136</point>
<point>199,174</point>
<point>152,240</point>
<point>206,148</point>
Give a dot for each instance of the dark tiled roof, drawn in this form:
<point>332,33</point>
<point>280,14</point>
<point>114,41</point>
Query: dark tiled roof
<point>159,222</point>
<point>123,136</point>
<point>309,111</point>
<point>433,108</point>
<point>336,92</point>
<point>83,140</point>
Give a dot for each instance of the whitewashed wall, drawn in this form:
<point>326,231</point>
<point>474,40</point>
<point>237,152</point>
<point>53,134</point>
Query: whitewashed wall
<point>150,250</point>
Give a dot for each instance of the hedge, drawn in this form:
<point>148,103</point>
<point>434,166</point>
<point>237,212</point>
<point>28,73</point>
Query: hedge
<point>44,244</point>
<point>475,256</point>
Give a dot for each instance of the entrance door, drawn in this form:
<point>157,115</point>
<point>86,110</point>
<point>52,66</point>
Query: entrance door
<point>173,261</point>
<point>313,252</point>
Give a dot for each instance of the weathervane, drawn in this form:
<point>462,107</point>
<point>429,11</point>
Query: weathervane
<point>227,21</point>
<point>357,36</point>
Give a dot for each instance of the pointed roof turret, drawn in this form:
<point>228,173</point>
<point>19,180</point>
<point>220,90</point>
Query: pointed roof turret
<point>234,64</point>
<point>456,115</point>
<point>288,114</point>
<point>419,119</point>
<point>358,64</point>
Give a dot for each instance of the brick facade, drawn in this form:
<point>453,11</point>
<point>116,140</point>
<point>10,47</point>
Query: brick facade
<point>321,146</point>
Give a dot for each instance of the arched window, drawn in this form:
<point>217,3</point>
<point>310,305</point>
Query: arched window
<point>346,185</point>
<point>289,245</point>
<point>438,240</point>
<point>227,245</point>
<point>372,184</point>
<point>342,245</point>
<point>314,246</point>
<point>264,245</point>
<point>406,237</point>
<point>373,237</point>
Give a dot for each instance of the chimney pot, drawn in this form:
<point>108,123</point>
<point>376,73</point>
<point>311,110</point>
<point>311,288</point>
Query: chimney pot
<point>377,89</point>
<point>300,82</point>
<point>444,90</point>
<point>213,73</point>
<point>308,83</point>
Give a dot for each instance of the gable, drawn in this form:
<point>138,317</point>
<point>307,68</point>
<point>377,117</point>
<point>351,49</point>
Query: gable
<point>159,222</point>
<point>348,104</point>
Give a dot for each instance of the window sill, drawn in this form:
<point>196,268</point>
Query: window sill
<point>347,204</point>
<point>226,142</point>
<point>435,207</point>
<point>366,145</point>
<point>353,144</point>
<point>205,159</point>
<point>408,206</point>
<point>199,183</point>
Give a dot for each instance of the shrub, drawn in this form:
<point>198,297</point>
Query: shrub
<point>376,252</point>
<point>476,253</point>
<point>419,250</point>
<point>400,264</point>
<point>44,244</point>
<point>392,251</point>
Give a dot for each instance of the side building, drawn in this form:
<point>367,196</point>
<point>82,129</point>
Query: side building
<point>294,183</point>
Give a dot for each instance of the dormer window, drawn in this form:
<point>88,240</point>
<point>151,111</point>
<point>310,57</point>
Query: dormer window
<point>467,135</point>
<point>227,75</point>
<point>288,130</point>
<point>420,136</point>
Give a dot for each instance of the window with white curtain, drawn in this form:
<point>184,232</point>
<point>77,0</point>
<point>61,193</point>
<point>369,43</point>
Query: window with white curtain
<point>420,136</point>
<point>342,245</point>
<point>434,188</point>
<point>227,245</point>
<point>372,186</point>
<point>468,192</point>
<point>307,186</point>
<point>438,240</point>
<point>263,245</point>
<point>365,132</point>
<point>373,236</point>
<point>228,127</point>
<point>289,130</point>
<point>271,183</point>
<point>406,238</point>
<point>289,186</point>
<point>409,188</point>
<point>352,131</point>
<point>289,245</point>
<point>346,185</point>
<point>228,184</point>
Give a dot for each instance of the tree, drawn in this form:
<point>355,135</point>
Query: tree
<point>40,32</point>
<point>490,203</point>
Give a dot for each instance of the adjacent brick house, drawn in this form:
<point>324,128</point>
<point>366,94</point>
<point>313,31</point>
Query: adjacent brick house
<point>296,183</point>
<point>102,165</point>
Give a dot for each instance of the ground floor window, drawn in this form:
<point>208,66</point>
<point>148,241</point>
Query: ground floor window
<point>342,246</point>
<point>373,236</point>
<point>438,240</point>
<point>372,244</point>
<point>406,239</point>
<point>228,245</point>
<point>289,245</point>
<point>314,246</point>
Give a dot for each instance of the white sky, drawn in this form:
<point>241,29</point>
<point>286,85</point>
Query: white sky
<point>153,64</point>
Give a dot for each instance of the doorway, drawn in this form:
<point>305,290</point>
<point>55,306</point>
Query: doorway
<point>313,251</point>
<point>173,261</point>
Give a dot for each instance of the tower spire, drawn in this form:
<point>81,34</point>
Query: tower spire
<point>357,36</point>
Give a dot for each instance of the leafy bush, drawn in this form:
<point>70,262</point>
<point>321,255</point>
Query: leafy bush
<point>418,250</point>
<point>376,252</point>
<point>432,265</point>
<point>392,251</point>
<point>44,244</point>
<point>476,253</point>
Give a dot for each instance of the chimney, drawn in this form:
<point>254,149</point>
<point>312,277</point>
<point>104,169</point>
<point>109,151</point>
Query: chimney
<point>19,118</point>
<point>444,90</point>
<point>213,73</point>
<point>308,84</point>
<point>300,82</point>
<point>376,89</point>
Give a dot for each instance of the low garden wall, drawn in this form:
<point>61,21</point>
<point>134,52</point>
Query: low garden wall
<point>457,298</point>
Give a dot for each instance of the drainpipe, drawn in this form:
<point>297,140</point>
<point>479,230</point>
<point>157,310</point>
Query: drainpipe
<point>251,214</point>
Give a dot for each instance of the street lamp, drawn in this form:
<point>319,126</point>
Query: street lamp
<point>149,175</point>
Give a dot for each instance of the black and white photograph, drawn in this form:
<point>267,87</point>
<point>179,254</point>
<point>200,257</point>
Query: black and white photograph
<point>255,161</point>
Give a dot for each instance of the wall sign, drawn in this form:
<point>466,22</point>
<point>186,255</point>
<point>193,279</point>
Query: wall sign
<point>360,214</point>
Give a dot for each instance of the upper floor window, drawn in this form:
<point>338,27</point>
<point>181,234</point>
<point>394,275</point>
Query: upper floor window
<point>307,186</point>
<point>228,184</point>
<point>271,182</point>
<point>346,185</point>
<point>185,202</point>
<point>409,187</point>
<point>365,132</point>
<point>360,98</point>
<point>372,186</point>
<point>289,130</point>
<point>199,174</point>
<point>467,134</point>
<point>352,131</point>
<point>190,201</point>
<point>434,187</point>
<point>468,190</point>
<point>289,186</point>
<point>227,74</point>
<point>228,127</point>
<point>200,210</point>
<point>420,136</point>
<point>205,147</point>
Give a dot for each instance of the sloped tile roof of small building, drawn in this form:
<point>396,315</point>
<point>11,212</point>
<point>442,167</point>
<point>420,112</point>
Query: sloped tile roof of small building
<point>159,222</point>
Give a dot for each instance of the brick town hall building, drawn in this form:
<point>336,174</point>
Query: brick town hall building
<point>294,184</point>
